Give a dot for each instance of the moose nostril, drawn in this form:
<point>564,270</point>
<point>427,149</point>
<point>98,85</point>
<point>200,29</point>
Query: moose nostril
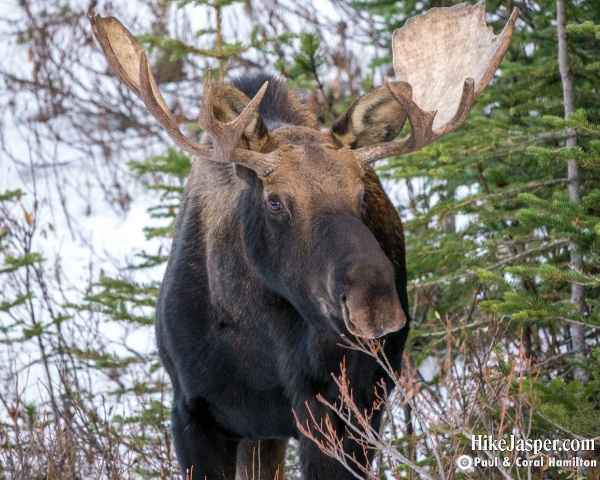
<point>346,314</point>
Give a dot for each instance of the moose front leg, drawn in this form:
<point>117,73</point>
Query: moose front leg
<point>323,431</point>
<point>261,459</point>
<point>315,465</point>
<point>202,449</point>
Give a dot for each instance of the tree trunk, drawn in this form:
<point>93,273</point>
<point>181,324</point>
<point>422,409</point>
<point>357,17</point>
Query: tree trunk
<point>577,332</point>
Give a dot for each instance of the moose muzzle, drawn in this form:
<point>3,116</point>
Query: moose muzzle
<point>362,283</point>
<point>369,302</point>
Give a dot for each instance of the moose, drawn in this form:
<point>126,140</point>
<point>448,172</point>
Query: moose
<point>286,243</point>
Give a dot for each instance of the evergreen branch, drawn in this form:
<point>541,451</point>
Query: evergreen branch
<point>221,55</point>
<point>574,322</point>
<point>443,209</point>
<point>523,142</point>
<point>556,425</point>
<point>556,244</point>
<point>181,48</point>
<point>528,186</point>
<point>446,331</point>
<point>471,273</point>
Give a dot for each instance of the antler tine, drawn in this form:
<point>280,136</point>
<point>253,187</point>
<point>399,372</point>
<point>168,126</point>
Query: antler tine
<point>225,136</point>
<point>464,107</point>
<point>504,40</point>
<point>420,121</point>
<point>127,50</point>
<point>460,48</point>
<point>128,59</point>
<point>154,101</point>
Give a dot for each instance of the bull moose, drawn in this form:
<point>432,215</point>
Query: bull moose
<point>286,242</point>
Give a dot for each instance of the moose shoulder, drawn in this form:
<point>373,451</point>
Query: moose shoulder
<point>284,243</point>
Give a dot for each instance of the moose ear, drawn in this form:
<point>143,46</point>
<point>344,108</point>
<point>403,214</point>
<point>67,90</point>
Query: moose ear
<point>228,103</point>
<point>373,118</point>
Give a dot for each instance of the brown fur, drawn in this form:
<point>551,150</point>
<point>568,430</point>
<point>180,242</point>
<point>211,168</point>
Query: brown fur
<point>374,117</point>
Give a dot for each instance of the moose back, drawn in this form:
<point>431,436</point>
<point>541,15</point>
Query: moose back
<point>286,242</point>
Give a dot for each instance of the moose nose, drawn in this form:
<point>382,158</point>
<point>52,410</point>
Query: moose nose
<point>367,296</point>
<point>375,320</point>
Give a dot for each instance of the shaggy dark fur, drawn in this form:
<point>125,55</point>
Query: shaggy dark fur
<point>254,300</point>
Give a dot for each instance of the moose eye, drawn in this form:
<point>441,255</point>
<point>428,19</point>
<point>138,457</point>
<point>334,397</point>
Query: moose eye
<point>275,205</point>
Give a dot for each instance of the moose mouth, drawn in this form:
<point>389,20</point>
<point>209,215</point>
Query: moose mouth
<point>370,323</point>
<point>346,316</point>
<point>351,326</point>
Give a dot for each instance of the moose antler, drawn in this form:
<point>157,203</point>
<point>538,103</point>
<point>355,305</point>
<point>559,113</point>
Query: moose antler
<point>129,60</point>
<point>448,56</point>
